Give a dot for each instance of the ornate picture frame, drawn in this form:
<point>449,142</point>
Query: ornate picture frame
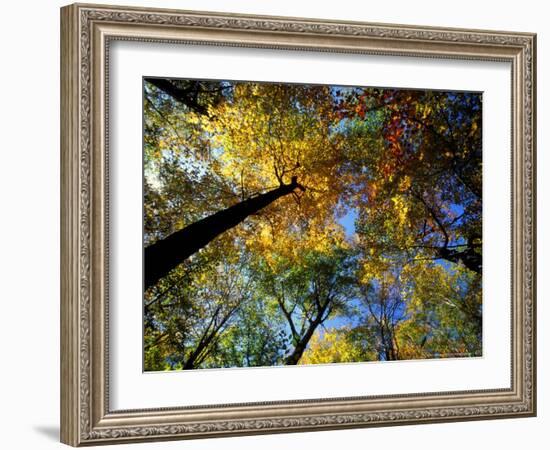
<point>87,31</point>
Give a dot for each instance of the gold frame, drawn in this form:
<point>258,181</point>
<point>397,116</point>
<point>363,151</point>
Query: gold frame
<point>86,31</point>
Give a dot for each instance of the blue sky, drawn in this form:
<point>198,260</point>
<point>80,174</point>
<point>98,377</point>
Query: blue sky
<point>348,222</point>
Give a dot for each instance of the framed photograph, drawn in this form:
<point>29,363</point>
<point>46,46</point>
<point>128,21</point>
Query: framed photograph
<point>276,224</point>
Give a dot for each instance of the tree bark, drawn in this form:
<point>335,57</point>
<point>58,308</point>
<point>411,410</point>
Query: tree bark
<point>294,357</point>
<point>300,348</point>
<point>165,254</point>
<point>469,257</point>
<point>188,97</point>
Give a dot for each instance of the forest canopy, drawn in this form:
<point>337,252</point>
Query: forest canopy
<point>304,224</point>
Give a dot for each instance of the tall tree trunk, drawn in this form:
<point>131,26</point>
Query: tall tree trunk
<point>165,254</point>
<point>294,357</point>
<point>300,348</point>
<point>469,257</point>
<point>188,96</point>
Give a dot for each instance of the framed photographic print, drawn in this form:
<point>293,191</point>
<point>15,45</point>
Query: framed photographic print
<point>275,224</point>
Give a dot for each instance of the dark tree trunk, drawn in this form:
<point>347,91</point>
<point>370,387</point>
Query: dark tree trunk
<point>300,348</point>
<point>469,257</point>
<point>164,255</point>
<point>188,96</point>
<point>294,357</point>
